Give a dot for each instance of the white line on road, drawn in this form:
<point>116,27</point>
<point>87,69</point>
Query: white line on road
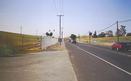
<point>109,50</point>
<point>103,60</point>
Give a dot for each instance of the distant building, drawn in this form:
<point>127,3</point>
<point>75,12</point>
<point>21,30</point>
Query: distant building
<point>109,33</point>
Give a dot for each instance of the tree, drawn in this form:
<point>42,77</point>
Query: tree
<point>73,36</point>
<point>47,34</point>
<point>51,34</point>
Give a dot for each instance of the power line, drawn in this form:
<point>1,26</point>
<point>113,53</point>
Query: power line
<point>54,2</point>
<point>128,20</point>
<point>107,27</point>
<point>58,4</point>
<point>124,21</point>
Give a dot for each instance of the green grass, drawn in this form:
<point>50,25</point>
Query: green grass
<point>14,40</point>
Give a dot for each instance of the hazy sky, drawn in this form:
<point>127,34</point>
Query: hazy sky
<point>80,16</point>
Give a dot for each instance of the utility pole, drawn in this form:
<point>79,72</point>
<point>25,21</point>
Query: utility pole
<point>117,31</point>
<point>62,32</point>
<point>21,28</point>
<point>60,29</point>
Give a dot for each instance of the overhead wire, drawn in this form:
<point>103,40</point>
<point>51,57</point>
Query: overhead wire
<point>106,27</point>
<point>123,21</point>
<point>55,5</point>
<point>58,4</point>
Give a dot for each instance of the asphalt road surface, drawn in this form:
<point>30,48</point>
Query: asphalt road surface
<point>94,63</point>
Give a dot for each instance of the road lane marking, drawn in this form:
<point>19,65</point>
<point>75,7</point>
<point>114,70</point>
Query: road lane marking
<point>103,60</point>
<point>109,50</point>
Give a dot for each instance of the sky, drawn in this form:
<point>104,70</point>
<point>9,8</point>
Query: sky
<point>36,17</point>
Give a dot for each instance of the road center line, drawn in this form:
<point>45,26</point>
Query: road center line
<point>103,60</point>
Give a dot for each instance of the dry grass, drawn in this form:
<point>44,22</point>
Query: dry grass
<point>31,50</point>
<point>14,41</point>
<point>105,41</point>
<point>104,44</point>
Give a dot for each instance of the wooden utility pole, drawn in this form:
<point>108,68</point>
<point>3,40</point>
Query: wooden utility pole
<point>117,31</point>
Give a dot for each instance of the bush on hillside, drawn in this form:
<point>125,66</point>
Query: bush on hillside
<point>7,50</point>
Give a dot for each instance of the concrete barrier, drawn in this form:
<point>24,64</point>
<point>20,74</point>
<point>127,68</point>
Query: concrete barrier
<point>48,41</point>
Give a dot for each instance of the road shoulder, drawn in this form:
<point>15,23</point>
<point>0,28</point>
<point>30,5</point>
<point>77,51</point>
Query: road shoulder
<point>42,66</point>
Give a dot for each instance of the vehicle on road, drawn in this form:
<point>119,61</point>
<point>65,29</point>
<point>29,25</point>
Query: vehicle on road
<point>72,41</point>
<point>72,38</point>
<point>121,46</point>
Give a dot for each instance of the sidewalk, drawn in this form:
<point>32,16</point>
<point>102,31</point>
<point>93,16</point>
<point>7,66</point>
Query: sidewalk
<point>42,66</point>
<point>59,67</point>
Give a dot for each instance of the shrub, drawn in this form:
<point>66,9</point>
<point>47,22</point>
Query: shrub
<point>7,50</point>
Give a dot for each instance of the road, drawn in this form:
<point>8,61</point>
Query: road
<point>94,63</point>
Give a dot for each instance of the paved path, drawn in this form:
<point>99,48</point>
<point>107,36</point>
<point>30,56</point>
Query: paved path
<point>43,66</point>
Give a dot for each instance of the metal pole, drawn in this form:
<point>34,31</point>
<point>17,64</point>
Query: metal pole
<point>60,25</point>
<point>60,33</point>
